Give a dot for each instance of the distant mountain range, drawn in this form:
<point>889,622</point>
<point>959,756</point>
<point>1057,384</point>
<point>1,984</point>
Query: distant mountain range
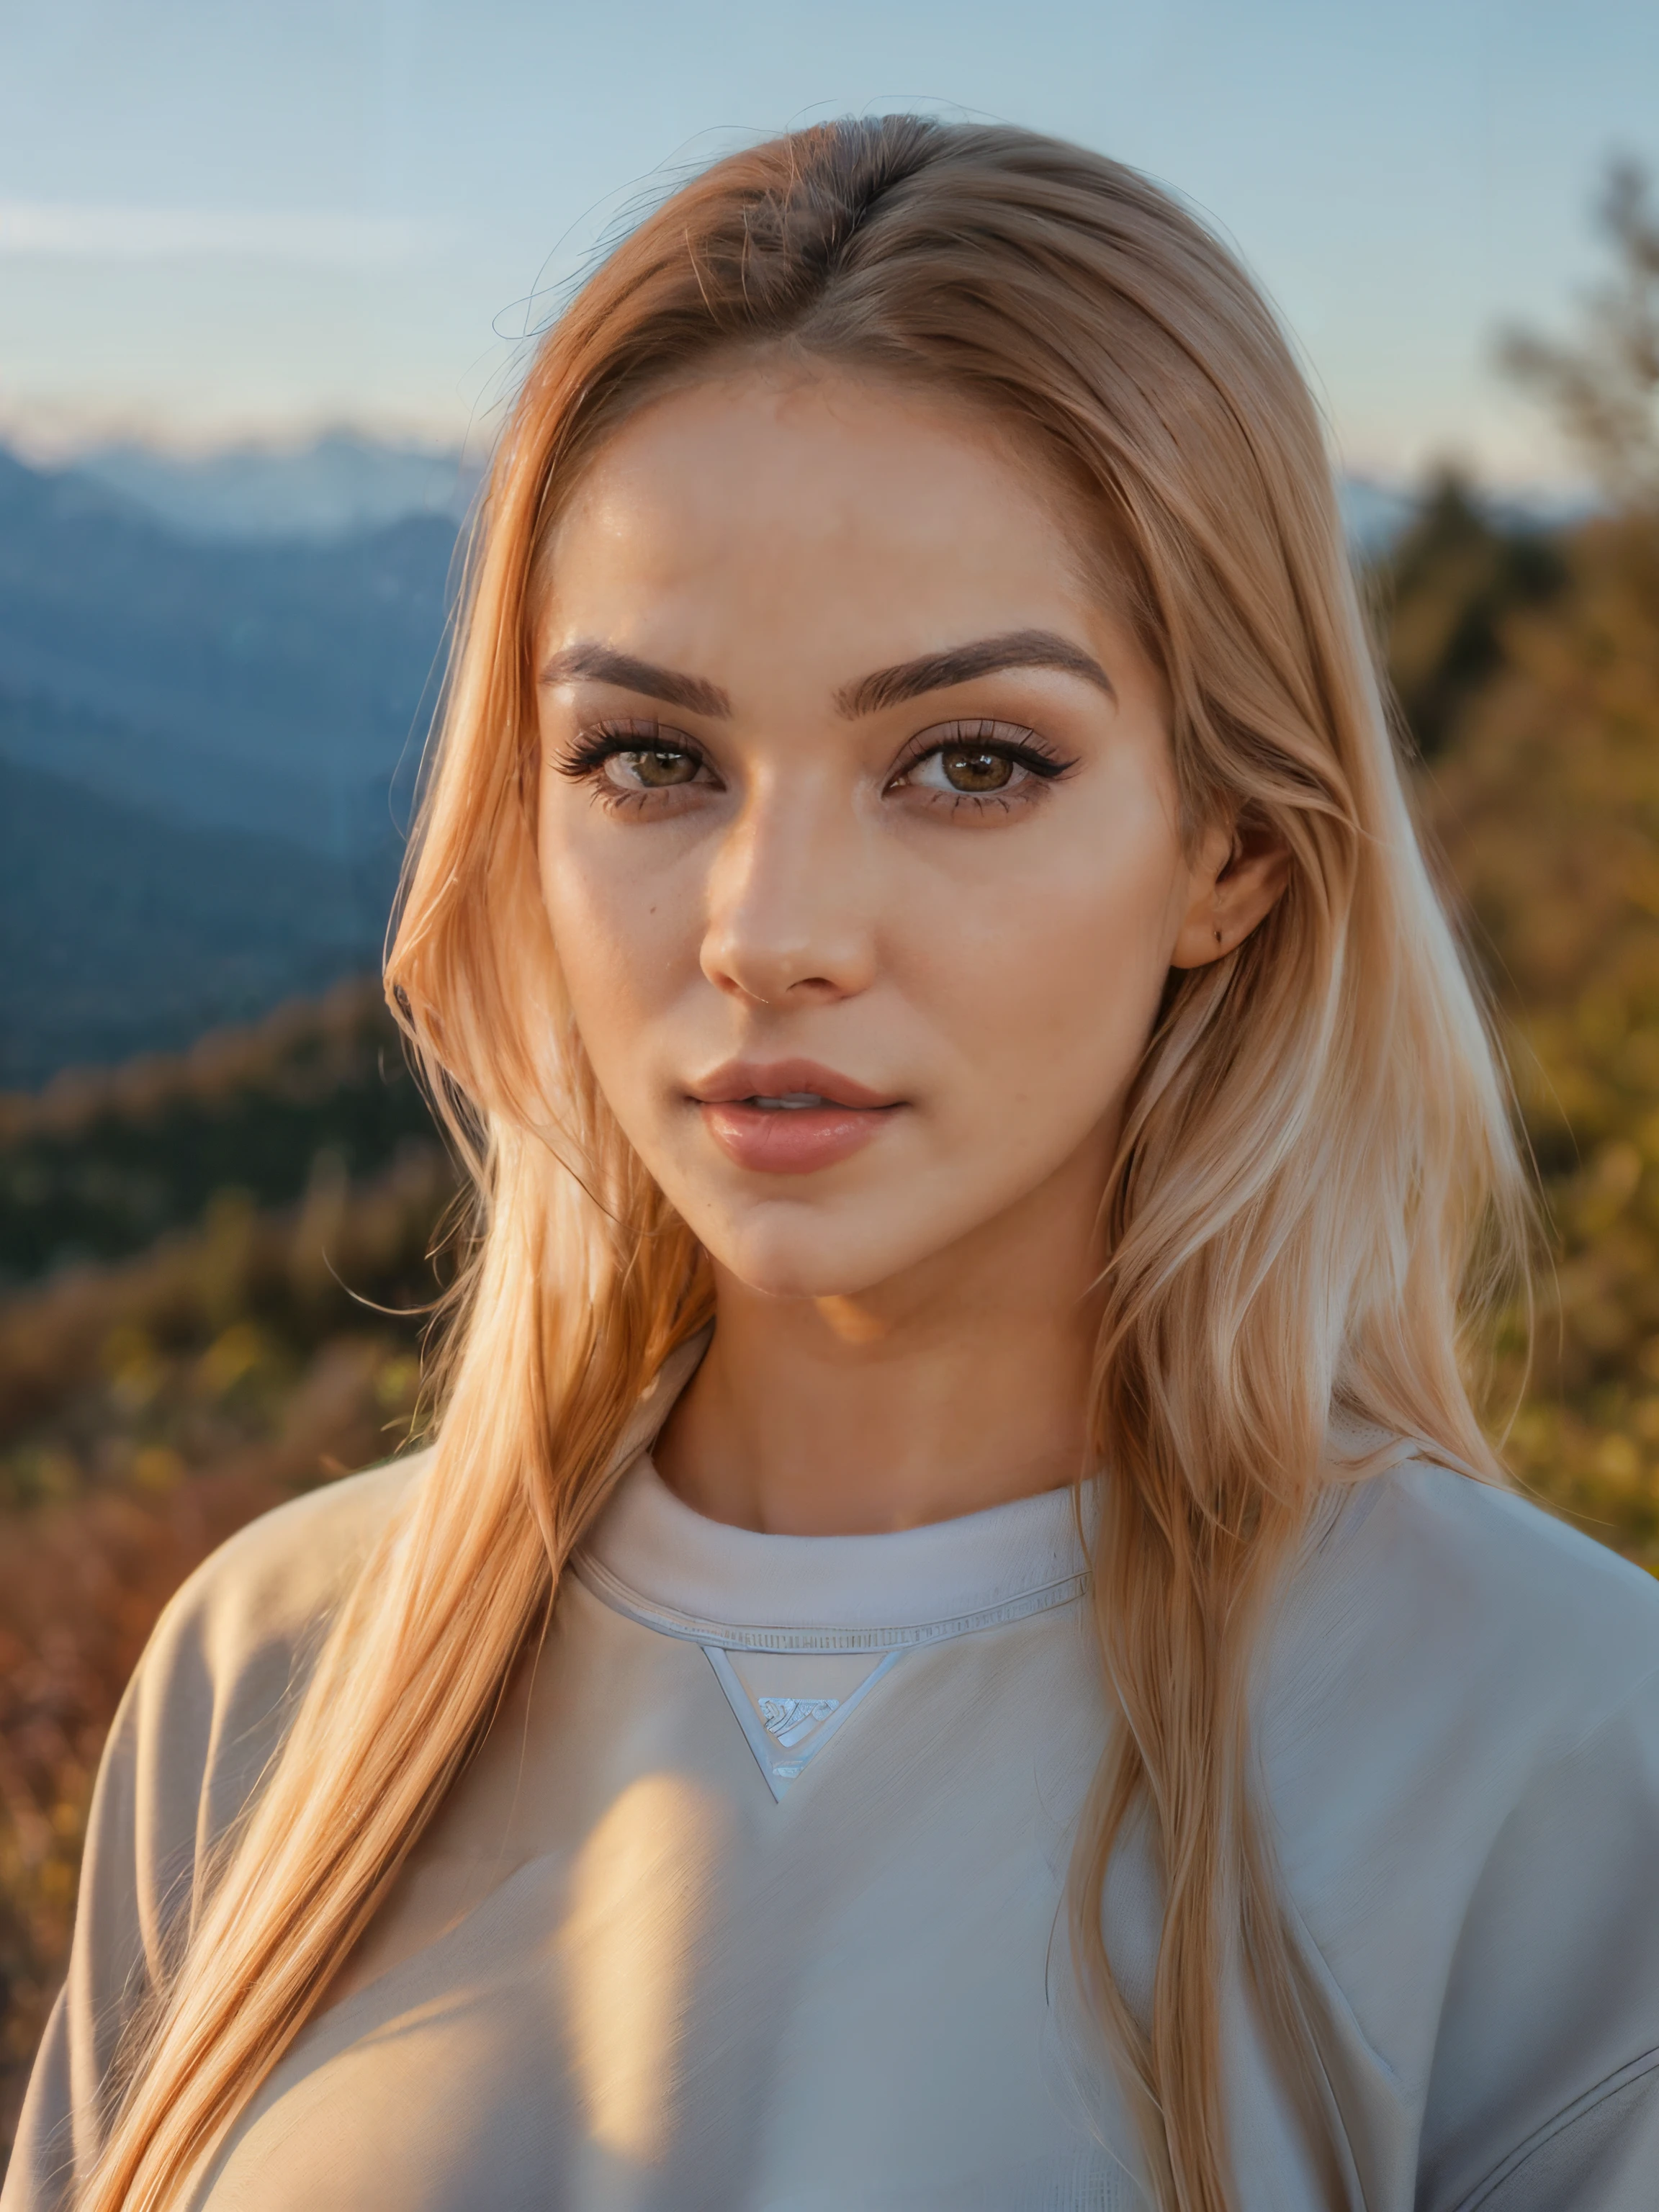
<point>272,684</point>
<point>124,933</point>
<point>208,751</point>
<point>334,487</point>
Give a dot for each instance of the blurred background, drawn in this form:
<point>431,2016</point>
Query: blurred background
<point>268,275</point>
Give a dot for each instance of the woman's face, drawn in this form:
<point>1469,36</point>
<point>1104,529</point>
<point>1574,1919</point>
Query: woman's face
<point>858,832</point>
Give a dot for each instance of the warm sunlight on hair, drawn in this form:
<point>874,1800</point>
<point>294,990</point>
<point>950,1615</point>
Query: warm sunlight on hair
<point>914,830</point>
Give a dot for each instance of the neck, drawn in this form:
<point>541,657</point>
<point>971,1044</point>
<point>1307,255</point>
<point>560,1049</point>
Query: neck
<point>959,1385</point>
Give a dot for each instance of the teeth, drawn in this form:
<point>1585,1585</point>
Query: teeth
<point>790,1101</point>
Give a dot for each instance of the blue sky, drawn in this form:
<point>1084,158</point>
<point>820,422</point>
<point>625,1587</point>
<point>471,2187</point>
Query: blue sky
<point>226,218</point>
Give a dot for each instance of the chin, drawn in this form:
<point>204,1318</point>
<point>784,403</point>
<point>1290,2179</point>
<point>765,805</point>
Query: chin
<point>792,1251</point>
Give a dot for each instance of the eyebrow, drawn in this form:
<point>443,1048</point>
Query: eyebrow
<point>960,663</point>
<point>598,664</point>
<point>888,687</point>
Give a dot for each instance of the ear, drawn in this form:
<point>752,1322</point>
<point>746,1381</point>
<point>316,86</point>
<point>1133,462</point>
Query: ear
<point>1237,873</point>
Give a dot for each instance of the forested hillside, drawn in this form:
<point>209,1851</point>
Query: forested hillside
<point>222,1266</point>
<point>1530,670</point>
<point>123,932</point>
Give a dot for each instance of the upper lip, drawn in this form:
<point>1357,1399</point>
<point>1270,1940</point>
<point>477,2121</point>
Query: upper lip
<point>776,1078</point>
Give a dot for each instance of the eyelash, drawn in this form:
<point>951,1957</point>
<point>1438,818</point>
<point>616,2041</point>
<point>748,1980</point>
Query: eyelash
<point>1007,740</point>
<point>585,758</point>
<point>590,748</point>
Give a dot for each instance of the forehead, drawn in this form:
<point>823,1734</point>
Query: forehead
<point>811,498</point>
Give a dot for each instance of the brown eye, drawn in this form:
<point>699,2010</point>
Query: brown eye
<point>651,769</point>
<point>972,768</point>
<point>988,760</point>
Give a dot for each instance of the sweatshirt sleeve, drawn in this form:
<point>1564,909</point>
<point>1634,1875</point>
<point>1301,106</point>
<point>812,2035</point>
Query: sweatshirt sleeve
<point>200,1719</point>
<point>1545,2091</point>
<point>111,1966</point>
<point>1602,2156</point>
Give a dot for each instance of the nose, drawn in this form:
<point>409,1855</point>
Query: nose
<point>789,920</point>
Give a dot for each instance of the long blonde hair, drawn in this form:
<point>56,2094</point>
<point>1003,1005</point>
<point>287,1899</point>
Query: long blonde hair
<point>1316,1174</point>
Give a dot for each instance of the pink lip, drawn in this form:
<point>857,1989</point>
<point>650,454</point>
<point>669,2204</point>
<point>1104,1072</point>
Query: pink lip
<point>797,1141</point>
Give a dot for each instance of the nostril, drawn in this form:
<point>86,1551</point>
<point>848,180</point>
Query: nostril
<point>757,991</point>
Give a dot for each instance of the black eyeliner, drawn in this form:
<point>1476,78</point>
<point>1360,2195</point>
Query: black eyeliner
<point>1025,750</point>
<point>590,748</point>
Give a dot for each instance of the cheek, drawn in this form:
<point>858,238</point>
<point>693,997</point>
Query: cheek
<point>1048,985</point>
<point>620,937</point>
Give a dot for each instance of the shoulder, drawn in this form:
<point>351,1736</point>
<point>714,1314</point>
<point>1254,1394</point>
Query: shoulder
<point>1443,1643</point>
<point>200,1720</point>
<point>1500,1545</point>
<point>1461,1735</point>
<point>1471,1602</point>
<point>273,1581</point>
<point>206,1706</point>
<point>201,1717</point>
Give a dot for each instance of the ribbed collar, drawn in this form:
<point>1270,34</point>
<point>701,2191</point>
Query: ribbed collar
<point>654,1558</point>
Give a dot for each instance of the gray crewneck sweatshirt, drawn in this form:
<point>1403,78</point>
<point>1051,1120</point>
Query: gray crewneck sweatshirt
<point>754,1899</point>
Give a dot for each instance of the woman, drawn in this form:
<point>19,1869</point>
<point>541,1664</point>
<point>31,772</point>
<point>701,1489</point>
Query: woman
<point>959,1644</point>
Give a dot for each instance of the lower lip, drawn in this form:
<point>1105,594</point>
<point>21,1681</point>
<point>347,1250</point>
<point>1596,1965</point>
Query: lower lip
<point>792,1139</point>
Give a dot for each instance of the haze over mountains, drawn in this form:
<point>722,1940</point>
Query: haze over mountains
<point>208,741</point>
<point>215,677</point>
<point>335,487</point>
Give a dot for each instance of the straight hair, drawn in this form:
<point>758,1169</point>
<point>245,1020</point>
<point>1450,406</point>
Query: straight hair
<point>1315,1198</point>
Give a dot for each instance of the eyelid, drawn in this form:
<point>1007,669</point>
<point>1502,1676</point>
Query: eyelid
<point>620,732</point>
<point>1016,739</point>
<point>596,742</point>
